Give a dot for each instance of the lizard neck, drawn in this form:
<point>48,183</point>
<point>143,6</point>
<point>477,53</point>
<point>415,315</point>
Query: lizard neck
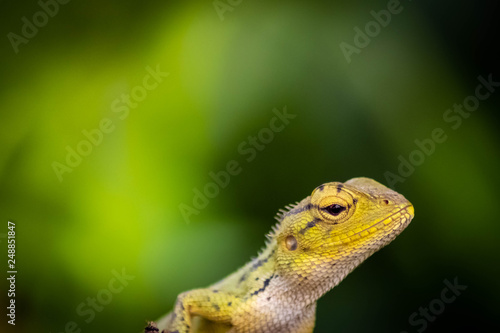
<point>292,288</point>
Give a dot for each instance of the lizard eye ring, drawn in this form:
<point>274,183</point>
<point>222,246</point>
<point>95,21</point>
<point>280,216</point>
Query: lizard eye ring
<point>335,209</point>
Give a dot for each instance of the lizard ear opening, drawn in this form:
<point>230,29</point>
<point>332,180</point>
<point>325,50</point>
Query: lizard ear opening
<point>291,243</point>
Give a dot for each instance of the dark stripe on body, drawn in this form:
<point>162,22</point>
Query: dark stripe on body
<point>266,284</point>
<point>258,263</point>
<point>308,226</point>
<point>299,210</point>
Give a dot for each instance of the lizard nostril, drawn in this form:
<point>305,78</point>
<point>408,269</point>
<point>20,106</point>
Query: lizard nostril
<point>386,202</point>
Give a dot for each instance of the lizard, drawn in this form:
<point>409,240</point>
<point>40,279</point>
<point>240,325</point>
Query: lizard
<point>316,243</point>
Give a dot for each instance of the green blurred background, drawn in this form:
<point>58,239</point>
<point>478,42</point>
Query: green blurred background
<point>119,208</point>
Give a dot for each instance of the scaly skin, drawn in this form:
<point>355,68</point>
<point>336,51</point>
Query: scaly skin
<point>316,243</point>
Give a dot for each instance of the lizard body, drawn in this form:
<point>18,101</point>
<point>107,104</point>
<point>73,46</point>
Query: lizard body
<point>315,244</point>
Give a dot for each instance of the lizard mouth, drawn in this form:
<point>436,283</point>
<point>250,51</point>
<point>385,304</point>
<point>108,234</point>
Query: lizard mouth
<point>401,217</point>
<point>397,220</point>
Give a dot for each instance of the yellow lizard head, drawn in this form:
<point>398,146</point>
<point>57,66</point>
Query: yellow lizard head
<point>332,231</point>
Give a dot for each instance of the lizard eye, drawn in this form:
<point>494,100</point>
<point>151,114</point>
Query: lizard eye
<point>334,209</point>
<point>332,205</point>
